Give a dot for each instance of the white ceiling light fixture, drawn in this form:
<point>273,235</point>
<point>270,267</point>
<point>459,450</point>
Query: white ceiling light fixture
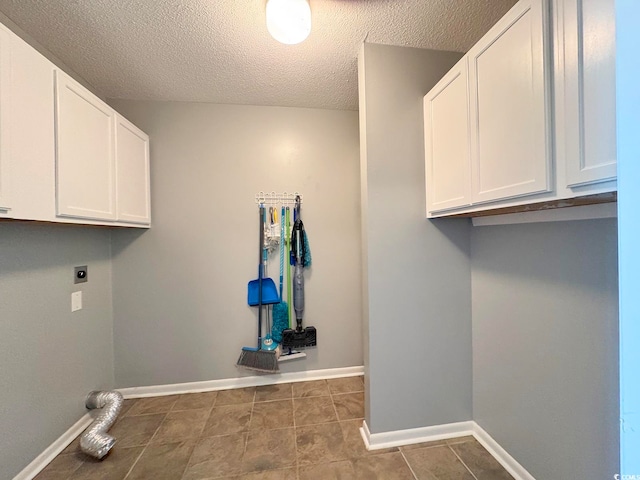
<point>289,21</point>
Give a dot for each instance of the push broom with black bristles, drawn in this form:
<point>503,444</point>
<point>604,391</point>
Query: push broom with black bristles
<point>256,358</point>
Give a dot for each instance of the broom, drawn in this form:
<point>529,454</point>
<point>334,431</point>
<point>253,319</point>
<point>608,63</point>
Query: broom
<point>280,310</point>
<point>255,358</point>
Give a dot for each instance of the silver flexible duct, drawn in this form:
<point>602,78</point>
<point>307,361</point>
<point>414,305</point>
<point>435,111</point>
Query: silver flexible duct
<point>95,441</point>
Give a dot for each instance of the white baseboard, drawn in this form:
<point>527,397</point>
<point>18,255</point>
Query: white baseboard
<point>398,438</point>
<point>227,383</point>
<point>509,463</point>
<point>52,451</point>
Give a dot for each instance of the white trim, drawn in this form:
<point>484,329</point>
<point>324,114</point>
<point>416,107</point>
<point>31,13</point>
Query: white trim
<point>41,461</point>
<point>517,471</point>
<point>585,212</point>
<point>227,383</point>
<point>398,438</point>
<point>366,435</point>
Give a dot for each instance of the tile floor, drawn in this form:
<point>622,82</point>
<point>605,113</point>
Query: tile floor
<point>293,431</point>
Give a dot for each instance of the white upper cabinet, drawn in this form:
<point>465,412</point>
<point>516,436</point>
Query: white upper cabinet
<point>132,166</point>
<point>65,155</point>
<point>85,157</point>
<point>447,141</point>
<point>32,152</point>
<point>5,135</point>
<point>588,35</point>
<point>509,96</point>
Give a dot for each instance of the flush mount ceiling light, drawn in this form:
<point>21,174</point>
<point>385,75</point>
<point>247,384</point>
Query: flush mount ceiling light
<point>289,21</point>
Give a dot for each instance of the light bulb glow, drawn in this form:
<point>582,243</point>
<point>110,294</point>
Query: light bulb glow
<point>289,21</point>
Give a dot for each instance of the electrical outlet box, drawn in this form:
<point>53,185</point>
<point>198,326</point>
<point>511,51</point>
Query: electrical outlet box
<point>76,301</point>
<point>80,274</point>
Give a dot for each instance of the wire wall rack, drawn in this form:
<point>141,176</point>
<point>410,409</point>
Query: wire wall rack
<point>273,198</point>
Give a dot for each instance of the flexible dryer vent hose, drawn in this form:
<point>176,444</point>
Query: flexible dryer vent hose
<point>95,441</point>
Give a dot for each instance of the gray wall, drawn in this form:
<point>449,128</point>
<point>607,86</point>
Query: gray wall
<point>50,358</point>
<point>418,279</point>
<point>180,289</point>
<point>545,345</point>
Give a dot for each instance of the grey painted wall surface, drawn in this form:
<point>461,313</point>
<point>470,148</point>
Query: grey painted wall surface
<point>180,289</point>
<point>50,358</point>
<point>545,345</point>
<point>418,271</point>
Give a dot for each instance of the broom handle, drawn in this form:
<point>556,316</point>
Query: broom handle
<point>282,241</point>
<point>265,260</point>
<point>261,229</point>
<point>289,268</point>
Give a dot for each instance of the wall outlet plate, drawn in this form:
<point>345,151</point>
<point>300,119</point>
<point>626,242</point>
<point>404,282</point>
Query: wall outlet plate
<point>76,301</point>
<point>80,274</point>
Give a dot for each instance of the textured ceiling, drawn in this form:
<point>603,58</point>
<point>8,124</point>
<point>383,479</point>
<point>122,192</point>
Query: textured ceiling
<point>220,51</point>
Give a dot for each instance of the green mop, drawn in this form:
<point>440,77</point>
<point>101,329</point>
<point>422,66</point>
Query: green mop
<point>280,310</point>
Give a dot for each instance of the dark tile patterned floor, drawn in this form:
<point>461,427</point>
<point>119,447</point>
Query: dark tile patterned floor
<point>293,431</point>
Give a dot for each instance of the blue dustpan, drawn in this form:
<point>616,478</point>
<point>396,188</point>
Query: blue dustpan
<point>269,291</point>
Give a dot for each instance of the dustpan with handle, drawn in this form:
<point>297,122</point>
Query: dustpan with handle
<point>269,290</point>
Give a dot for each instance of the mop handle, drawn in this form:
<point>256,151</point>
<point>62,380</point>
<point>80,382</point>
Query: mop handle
<point>265,261</point>
<point>260,275</point>
<point>296,211</point>
<point>290,305</point>
<point>282,240</point>
<point>264,241</point>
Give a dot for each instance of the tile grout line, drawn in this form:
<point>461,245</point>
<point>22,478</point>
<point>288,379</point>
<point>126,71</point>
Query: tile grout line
<point>197,440</point>
<point>320,423</point>
<point>147,445</point>
<point>200,437</point>
<point>158,429</point>
<point>253,406</point>
<point>295,466</point>
<point>205,422</point>
<point>408,464</point>
<point>343,393</point>
<point>334,405</point>
<point>314,424</point>
<point>295,426</point>
<point>462,461</point>
<point>344,438</point>
<point>295,433</point>
<point>247,432</point>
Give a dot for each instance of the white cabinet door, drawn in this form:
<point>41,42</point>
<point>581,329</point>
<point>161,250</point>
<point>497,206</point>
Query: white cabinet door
<point>132,166</point>
<point>447,141</point>
<point>510,138</point>
<point>5,135</point>
<point>589,89</point>
<point>32,114</point>
<point>85,158</point>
